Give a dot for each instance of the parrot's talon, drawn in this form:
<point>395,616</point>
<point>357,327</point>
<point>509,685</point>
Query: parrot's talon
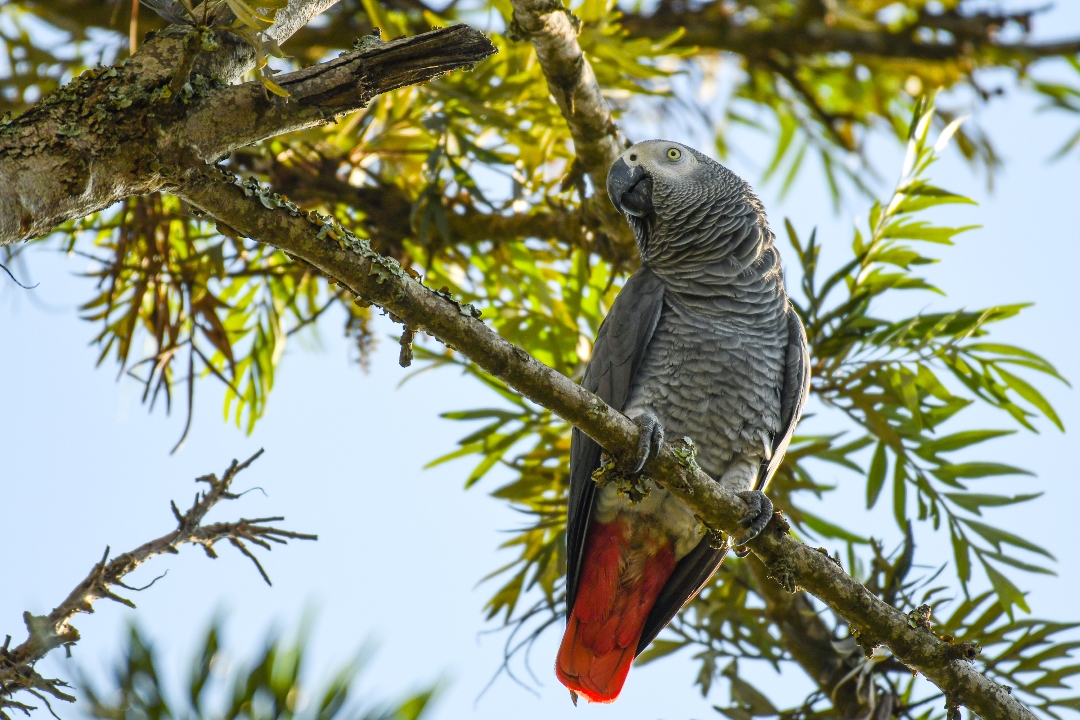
<point>650,438</point>
<point>741,552</point>
<point>761,511</point>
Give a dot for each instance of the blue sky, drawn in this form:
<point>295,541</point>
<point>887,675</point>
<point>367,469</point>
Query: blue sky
<point>401,549</point>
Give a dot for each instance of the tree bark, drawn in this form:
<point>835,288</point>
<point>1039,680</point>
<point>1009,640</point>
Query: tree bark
<point>115,132</point>
<point>598,142</point>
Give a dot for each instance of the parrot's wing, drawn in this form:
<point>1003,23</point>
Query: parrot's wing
<point>693,571</point>
<point>793,397</point>
<point>620,346</point>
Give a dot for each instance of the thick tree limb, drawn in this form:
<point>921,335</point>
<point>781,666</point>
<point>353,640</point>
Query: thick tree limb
<point>106,135</point>
<point>550,28</point>
<point>268,218</point>
<point>48,632</point>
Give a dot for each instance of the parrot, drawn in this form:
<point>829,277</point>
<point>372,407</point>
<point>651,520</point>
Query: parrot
<point>700,342</point>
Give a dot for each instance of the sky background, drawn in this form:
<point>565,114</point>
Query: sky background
<point>401,549</point>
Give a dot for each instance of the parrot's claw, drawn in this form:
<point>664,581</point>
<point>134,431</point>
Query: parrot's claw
<point>650,438</point>
<point>761,511</point>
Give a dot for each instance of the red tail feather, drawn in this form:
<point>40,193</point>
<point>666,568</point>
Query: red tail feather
<point>620,580</point>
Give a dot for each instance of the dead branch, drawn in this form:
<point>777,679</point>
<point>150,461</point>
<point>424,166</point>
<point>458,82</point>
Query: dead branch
<point>45,633</point>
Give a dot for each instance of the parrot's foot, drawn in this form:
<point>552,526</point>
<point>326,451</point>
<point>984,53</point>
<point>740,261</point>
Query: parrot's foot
<point>761,511</point>
<point>650,439</point>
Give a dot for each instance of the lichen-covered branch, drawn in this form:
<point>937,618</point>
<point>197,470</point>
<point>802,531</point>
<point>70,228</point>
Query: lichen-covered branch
<point>263,216</point>
<point>553,31</point>
<point>108,134</point>
<point>548,25</point>
<point>45,633</point>
<point>239,115</point>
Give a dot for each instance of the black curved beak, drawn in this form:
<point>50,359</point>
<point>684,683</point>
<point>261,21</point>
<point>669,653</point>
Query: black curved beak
<point>630,189</point>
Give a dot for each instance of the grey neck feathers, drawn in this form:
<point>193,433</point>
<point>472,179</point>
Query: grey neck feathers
<point>716,253</point>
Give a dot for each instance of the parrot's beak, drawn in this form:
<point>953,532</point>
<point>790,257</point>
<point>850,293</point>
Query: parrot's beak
<point>630,189</point>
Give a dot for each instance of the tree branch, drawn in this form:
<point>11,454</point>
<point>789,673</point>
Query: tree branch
<point>266,217</point>
<point>806,637</point>
<point>385,211</point>
<point>553,32</point>
<point>48,632</point>
<point>87,145</point>
<point>598,142</point>
<point>970,36</point>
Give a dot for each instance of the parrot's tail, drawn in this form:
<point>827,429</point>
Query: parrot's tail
<point>620,580</point>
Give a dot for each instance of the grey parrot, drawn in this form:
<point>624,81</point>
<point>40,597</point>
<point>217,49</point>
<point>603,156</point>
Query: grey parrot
<point>701,342</point>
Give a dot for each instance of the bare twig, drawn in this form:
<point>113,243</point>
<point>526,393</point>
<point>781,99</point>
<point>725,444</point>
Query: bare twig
<point>48,632</point>
<point>16,280</point>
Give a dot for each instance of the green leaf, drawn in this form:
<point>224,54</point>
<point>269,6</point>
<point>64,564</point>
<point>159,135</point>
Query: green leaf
<point>960,440</point>
<point>977,470</point>
<point>482,468</point>
<point>972,502</point>
<point>900,494</point>
<point>247,15</point>
<point>827,529</point>
<point>1007,593</point>
<point>272,86</point>
<point>996,537</point>
<point>746,695</point>
<point>962,555</point>
<point>1029,393</point>
<point>1017,563</point>
<point>658,649</point>
<point>876,477</point>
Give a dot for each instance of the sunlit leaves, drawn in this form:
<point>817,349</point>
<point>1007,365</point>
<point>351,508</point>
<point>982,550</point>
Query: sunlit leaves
<point>197,303</point>
<point>886,375</point>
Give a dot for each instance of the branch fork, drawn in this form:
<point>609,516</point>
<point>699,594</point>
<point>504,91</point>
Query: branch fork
<point>45,633</point>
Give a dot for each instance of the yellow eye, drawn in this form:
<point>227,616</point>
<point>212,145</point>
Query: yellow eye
<point>674,154</point>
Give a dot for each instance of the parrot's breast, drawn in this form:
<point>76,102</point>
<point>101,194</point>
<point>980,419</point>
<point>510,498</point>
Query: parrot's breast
<point>718,380</point>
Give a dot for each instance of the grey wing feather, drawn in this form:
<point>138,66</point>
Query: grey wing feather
<point>694,571</point>
<point>792,397</point>
<point>617,353</point>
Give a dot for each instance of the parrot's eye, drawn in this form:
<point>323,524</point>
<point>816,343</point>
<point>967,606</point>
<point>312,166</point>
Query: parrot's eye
<point>674,154</point>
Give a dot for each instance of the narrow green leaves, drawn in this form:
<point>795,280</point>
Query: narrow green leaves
<point>875,479</point>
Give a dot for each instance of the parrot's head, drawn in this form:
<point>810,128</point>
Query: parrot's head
<point>668,192</point>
